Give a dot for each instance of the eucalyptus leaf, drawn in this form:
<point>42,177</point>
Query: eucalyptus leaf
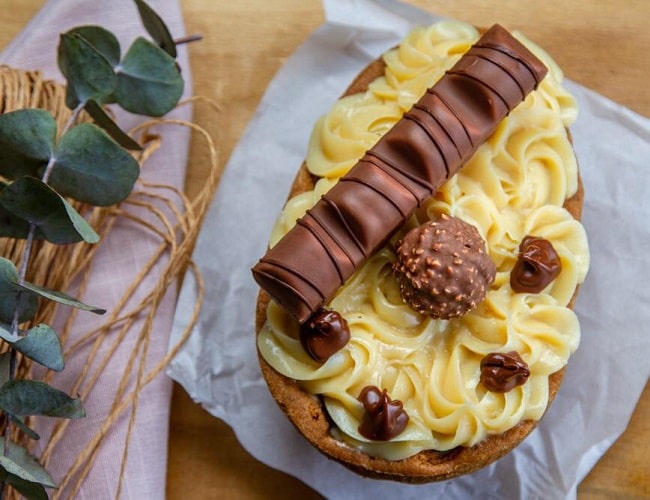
<point>91,167</point>
<point>89,73</point>
<point>40,343</point>
<point>36,202</point>
<point>30,397</point>
<point>27,302</point>
<point>28,489</point>
<point>12,226</point>
<point>19,462</point>
<point>156,27</point>
<point>26,142</point>
<point>5,360</point>
<point>60,297</point>
<point>110,127</point>
<point>28,431</point>
<point>148,80</point>
<point>71,99</point>
<point>102,40</point>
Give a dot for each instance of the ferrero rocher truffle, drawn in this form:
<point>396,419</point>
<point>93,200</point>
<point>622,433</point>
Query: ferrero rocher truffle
<point>442,268</point>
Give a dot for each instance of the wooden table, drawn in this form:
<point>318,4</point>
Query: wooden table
<point>599,44</point>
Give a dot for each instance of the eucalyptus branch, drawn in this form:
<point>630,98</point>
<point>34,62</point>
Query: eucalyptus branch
<point>74,116</point>
<point>41,168</point>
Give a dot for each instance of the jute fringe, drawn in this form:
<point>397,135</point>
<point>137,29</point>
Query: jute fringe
<point>176,225</point>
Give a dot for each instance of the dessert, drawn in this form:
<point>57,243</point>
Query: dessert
<point>396,393</point>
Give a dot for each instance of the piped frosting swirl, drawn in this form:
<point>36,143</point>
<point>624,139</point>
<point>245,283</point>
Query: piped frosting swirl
<point>514,185</point>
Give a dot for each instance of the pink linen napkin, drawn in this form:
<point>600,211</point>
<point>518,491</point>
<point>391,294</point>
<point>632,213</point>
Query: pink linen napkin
<point>120,258</point>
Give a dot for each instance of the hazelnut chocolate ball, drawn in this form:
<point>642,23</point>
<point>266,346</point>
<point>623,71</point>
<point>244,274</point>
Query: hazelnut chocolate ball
<point>442,268</point>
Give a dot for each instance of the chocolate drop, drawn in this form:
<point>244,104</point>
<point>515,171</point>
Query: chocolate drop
<point>502,372</point>
<point>324,334</point>
<point>384,418</point>
<point>538,264</point>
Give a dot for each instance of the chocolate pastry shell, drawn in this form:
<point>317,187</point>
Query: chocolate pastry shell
<point>309,416</point>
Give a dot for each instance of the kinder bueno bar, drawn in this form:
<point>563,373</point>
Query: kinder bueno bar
<point>408,164</point>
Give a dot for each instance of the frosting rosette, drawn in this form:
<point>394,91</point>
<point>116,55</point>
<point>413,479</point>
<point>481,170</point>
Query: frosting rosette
<point>515,185</point>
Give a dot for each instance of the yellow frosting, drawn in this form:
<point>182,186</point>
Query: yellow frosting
<point>515,185</point>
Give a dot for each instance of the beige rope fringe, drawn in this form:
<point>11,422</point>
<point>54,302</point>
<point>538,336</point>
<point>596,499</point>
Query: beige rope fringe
<point>173,220</point>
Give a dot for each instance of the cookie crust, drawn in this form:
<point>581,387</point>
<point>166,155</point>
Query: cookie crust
<point>308,415</point>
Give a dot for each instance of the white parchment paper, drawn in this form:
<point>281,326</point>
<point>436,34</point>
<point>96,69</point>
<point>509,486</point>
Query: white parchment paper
<point>604,379</point>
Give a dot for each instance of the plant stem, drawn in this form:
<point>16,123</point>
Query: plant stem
<point>22,273</point>
<point>32,228</point>
<point>188,39</point>
<point>68,125</point>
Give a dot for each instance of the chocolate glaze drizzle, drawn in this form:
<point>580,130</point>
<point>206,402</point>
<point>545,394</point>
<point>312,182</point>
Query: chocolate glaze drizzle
<point>408,164</point>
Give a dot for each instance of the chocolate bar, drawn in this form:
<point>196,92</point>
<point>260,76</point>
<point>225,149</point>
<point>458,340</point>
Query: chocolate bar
<point>431,142</point>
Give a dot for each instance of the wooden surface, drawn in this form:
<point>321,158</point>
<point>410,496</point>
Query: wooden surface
<point>599,44</point>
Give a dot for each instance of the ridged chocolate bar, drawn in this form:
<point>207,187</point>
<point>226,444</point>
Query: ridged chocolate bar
<point>408,164</point>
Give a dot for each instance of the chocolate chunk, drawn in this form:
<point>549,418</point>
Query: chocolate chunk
<point>407,165</point>
<point>324,334</point>
<point>502,372</point>
<point>538,264</point>
<point>442,268</point>
<point>384,418</point>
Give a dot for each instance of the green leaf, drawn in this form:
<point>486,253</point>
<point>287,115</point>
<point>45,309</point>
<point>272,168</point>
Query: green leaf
<point>30,397</point>
<point>40,343</point>
<point>91,167</point>
<point>106,122</point>
<point>36,202</point>
<point>18,462</point>
<point>106,44</point>
<point>27,303</point>
<point>148,80</point>
<point>5,360</point>
<point>26,142</point>
<point>102,40</point>
<point>90,75</point>
<point>12,226</point>
<point>60,297</point>
<point>9,287</point>
<point>18,422</point>
<point>156,27</point>
<point>32,491</point>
